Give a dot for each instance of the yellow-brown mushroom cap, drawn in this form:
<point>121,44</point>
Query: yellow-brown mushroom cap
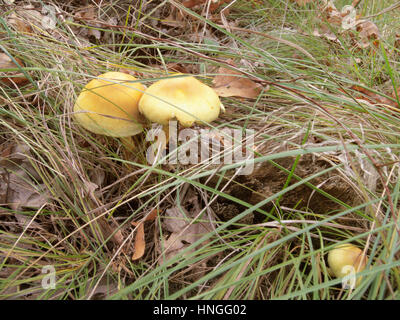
<point>180,97</point>
<point>109,105</point>
<point>344,256</point>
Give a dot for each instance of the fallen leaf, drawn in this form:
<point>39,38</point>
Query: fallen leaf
<point>179,241</point>
<point>332,14</point>
<point>184,232</point>
<point>88,13</point>
<point>18,189</point>
<point>349,17</point>
<point>105,288</point>
<point>175,220</point>
<point>194,4</point>
<point>140,243</point>
<point>26,17</point>
<point>96,179</point>
<point>368,31</point>
<point>397,41</point>
<point>375,98</point>
<point>26,221</point>
<point>92,34</point>
<point>21,194</point>
<point>326,33</point>
<point>230,83</point>
<point>49,19</point>
<point>21,18</point>
<point>10,77</point>
<point>346,22</point>
<point>19,24</point>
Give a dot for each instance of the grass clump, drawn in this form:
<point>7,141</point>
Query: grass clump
<point>326,162</point>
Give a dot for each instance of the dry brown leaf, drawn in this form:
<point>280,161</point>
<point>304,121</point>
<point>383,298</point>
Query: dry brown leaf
<point>17,188</point>
<point>333,15</point>
<point>179,241</point>
<point>26,222</point>
<point>19,24</point>
<point>231,83</point>
<point>195,4</point>
<point>104,289</point>
<point>375,98</point>
<point>90,35</point>
<point>397,41</point>
<point>88,13</point>
<point>175,220</point>
<point>23,19</point>
<point>368,31</point>
<point>183,232</point>
<point>140,243</point>
<point>346,21</point>
<point>26,18</point>
<point>330,14</point>
<point>326,33</point>
<point>22,194</point>
<point>10,77</point>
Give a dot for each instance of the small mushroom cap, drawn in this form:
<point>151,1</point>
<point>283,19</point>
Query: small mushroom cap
<point>109,105</point>
<point>345,256</point>
<point>182,97</point>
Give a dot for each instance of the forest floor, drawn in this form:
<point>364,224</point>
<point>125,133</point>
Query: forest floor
<point>311,88</point>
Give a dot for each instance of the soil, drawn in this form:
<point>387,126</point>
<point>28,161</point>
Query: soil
<point>267,180</point>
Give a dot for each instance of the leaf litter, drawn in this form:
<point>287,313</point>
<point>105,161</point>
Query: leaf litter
<point>231,83</point>
<point>140,243</point>
<point>362,32</point>
<point>184,231</point>
<point>19,187</point>
<point>178,220</point>
<point>11,77</point>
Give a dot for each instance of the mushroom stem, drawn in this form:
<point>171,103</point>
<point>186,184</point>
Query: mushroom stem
<point>166,131</point>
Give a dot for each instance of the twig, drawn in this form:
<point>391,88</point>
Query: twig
<point>390,8</point>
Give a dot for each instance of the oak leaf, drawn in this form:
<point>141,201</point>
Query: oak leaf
<point>140,243</point>
<point>10,77</point>
<point>230,83</point>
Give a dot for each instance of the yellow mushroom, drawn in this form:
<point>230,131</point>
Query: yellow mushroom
<point>180,97</point>
<point>108,105</point>
<point>346,259</point>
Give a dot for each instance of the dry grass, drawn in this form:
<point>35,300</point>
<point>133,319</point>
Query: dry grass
<point>326,161</point>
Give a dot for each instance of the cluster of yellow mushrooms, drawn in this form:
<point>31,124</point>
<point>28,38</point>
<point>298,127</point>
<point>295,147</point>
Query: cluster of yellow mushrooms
<point>114,103</point>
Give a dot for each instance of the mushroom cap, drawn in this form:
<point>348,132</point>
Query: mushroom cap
<point>346,255</point>
<point>182,97</point>
<point>109,105</point>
